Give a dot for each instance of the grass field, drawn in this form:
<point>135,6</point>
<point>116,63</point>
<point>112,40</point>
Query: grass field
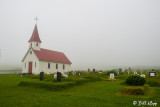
<point>90,94</point>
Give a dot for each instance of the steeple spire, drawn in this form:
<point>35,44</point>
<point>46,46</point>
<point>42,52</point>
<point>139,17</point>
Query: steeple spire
<point>36,18</point>
<point>35,35</point>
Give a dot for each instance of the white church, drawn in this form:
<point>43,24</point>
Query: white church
<point>38,59</point>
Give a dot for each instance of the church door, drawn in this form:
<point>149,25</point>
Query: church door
<point>30,67</point>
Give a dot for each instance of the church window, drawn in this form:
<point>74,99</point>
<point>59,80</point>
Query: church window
<point>31,44</point>
<point>35,64</point>
<point>25,64</point>
<point>48,65</point>
<point>63,66</point>
<point>37,44</point>
<point>30,52</point>
<point>56,66</point>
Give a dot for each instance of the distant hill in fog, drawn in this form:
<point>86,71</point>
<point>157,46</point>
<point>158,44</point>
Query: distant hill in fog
<point>10,67</point>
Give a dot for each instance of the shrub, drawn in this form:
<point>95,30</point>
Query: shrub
<point>135,80</point>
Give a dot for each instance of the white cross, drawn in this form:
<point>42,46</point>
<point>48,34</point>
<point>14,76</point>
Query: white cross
<point>36,18</point>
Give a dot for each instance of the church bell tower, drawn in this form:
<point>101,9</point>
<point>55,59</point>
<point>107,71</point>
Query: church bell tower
<point>35,41</point>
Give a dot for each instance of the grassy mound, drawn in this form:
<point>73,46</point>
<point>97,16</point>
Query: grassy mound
<point>51,83</point>
<point>137,91</point>
<point>47,85</point>
<point>56,86</point>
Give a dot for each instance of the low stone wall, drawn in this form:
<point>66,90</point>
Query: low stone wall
<point>10,71</point>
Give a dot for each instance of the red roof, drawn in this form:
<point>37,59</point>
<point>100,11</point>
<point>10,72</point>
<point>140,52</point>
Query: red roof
<point>35,35</point>
<point>49,55</point>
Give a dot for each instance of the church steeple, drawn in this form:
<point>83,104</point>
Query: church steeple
<point>35,41</point>
<point>35,35</point>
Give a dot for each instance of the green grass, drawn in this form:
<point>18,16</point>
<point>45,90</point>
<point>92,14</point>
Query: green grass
<point>90,94</point>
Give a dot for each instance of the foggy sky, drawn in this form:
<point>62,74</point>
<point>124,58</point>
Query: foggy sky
<point>90,32</point>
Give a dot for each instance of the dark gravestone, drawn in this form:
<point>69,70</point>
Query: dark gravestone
<point>88,70</point>
<point>94,71</point>
<point>58,77</point>
<point>119,70</point>
<point>41,76</point>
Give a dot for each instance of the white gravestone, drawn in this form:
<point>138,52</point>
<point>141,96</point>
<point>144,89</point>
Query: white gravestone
<point>48,73</point>
<point>135,72</point>
<point>128,71</point>
<point>143,75</point>
<point>152,74</point>
<point>73,73</point>
<point>65,75</point>
<point>118,71</point>
<point>55,75</point>
<point>111,76</point>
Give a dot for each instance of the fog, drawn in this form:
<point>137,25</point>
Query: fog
<point>92,33</point>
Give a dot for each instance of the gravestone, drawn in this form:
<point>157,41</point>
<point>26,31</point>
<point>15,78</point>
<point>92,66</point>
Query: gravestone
<point>142,75</point>
<point>55,75</point>
<point>73,73</point>
<point>128,71</point>
<point>88,70</point>
<point>135,72</point>
<point>58,77</point>
<point>41,76</point>
<point>119,70</point>
<point>48,73</point>
<point>94,70</point>
<point>111,76</point>
<point>65,75</point>
<point>152,73</point>
<point>79,73</point>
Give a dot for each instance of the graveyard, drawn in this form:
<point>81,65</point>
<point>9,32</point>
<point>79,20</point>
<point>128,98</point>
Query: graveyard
<point>81,89</point>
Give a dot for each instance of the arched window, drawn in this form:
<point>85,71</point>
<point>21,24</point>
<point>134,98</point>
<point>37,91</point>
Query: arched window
<point>30,52</point>
<point>31,44</point>
<point>35,64</point>
<point>37,44</point>
<point>63,66</point>
<point>56,66</point>
<point>48,65</point>
<point>25,64</point>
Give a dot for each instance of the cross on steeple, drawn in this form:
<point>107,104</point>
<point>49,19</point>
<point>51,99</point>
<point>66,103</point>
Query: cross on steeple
<point>36,18</point>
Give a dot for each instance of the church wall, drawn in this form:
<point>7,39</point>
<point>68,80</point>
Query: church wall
<point>31,58</point>
<point>44,67</point>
